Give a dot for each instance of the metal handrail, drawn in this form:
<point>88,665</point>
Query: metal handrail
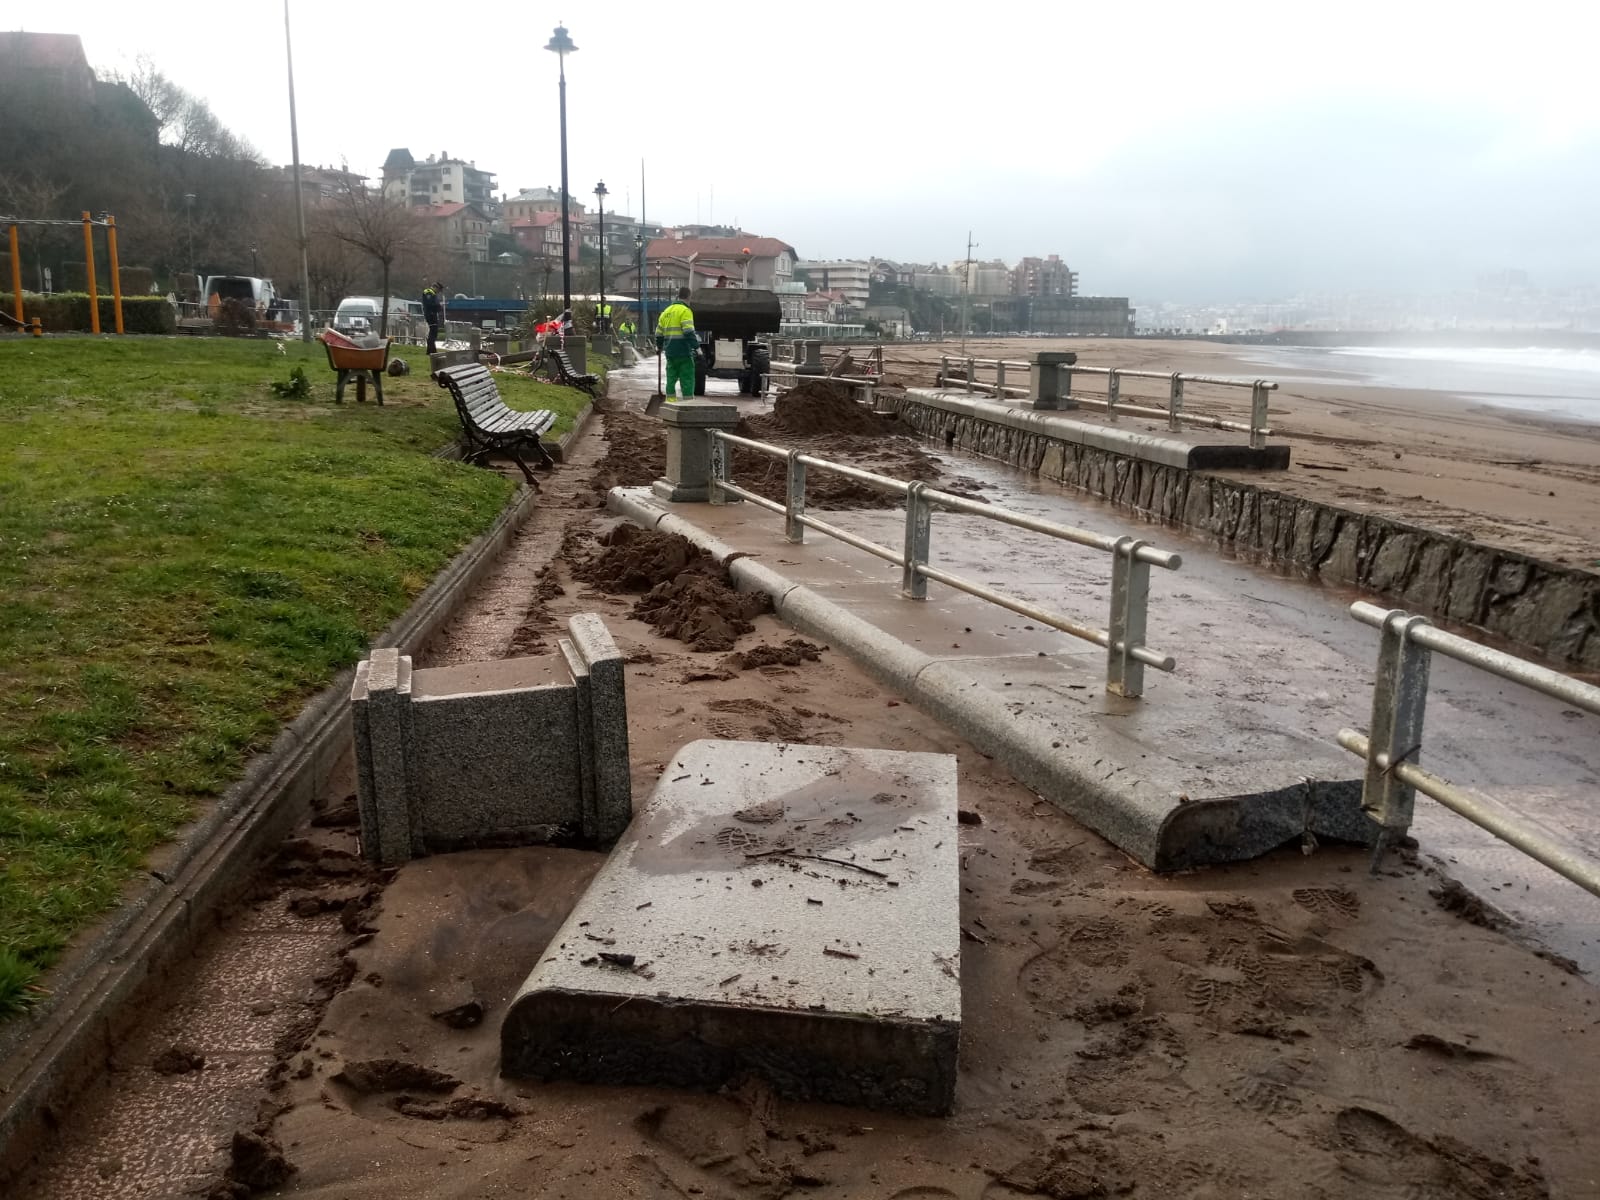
<point>1394,741</point>
<point>1123,640</point>
<point>1112,402</point>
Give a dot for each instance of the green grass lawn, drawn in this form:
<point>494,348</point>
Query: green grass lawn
<point>184,559</point>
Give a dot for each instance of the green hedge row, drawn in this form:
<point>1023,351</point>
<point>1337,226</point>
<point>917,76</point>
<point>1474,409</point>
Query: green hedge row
<point>69,311</point>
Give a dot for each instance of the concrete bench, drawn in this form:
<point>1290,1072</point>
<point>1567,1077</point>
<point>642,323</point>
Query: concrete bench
<point>489,424</point>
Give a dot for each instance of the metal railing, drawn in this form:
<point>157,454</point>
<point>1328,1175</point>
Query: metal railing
<point>967,371</point>
<point>1394,741</point>
<point>1123,639</point>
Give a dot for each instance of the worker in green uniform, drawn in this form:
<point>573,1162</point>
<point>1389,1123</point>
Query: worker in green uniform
<point>678,340</point>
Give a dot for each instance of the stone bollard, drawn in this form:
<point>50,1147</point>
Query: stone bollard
<point>689,424</point>
<point>1050,381</point>
<point>578,351</point>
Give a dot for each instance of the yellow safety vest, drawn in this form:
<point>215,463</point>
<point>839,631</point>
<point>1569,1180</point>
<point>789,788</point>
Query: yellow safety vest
<point>676,320</point>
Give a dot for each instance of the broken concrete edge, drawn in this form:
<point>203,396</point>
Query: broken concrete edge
<point>1548,608</point>
<point>50,1053</point>
<point>1160,831</point>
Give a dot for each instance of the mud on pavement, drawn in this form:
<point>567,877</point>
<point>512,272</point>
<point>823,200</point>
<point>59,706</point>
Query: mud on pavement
<point>1288,1027</point>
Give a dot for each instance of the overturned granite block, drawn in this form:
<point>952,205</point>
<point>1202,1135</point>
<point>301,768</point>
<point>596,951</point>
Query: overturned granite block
<point>783,910</point>
<point>502,752</point>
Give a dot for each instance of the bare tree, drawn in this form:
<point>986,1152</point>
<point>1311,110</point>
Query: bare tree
<point>385,230</point>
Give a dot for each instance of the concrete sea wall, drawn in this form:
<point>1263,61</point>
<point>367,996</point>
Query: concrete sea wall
<point>1549,608</point>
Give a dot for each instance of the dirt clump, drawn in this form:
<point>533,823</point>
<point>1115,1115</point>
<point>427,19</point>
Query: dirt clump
<point>819,406</point>
<point>394,1075</point>
<point>789,654</point>
<point>461,1108</point>
<point>257,1164</point>
<point>688,595</point>
<point>178,1059</point>
<point>636,453</point>
<point>701,609</point>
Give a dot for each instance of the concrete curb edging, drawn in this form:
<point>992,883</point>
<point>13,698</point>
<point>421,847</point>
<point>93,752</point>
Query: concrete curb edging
<point>1159,830</point>
<point>48,1055</point>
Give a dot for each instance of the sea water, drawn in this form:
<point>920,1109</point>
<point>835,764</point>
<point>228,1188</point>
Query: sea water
<point>1559,382</point>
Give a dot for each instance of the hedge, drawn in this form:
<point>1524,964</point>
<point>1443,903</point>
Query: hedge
<point>69,311</point>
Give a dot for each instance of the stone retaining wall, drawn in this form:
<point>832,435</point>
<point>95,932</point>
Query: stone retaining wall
<point>1550,608</point>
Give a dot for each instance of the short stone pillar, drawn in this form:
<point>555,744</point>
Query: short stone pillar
<point>577,349</point>
<point>1050,381</point>
<point>808,354</point>
<point>689,424</point>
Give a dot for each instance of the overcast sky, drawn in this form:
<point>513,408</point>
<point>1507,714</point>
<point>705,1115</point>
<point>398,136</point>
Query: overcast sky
<point>1167,150</point>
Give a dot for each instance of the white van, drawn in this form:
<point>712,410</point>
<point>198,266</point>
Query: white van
<point>358,315</point>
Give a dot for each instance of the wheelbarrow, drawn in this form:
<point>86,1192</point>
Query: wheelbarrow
<point>350,358</point>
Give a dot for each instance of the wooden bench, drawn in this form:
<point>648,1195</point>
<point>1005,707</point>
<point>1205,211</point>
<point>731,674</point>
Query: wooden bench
<point>561,364</point>
<point>488,424</point>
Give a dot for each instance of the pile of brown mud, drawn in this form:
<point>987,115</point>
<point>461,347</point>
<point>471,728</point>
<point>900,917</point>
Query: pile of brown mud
<point>824,418</point>
<point>818,407</point>
<point>636,453</point>
<point>687,593</point>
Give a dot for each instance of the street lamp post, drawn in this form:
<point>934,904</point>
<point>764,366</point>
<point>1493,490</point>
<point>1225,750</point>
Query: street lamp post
<point>644,304</point>
<point>600,313</point>
<point>561,45</point>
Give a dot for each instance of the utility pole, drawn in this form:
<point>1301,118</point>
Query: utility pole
<point>966,288</point>
<point>299,196</point>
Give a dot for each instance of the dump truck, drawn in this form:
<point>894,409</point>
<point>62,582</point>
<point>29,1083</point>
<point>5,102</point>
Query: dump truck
<point>730,322</point>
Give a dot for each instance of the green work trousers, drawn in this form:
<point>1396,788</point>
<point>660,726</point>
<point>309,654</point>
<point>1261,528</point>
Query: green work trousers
<point>680,371</point>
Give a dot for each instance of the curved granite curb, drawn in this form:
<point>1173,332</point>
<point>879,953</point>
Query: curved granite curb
<point>46,1056</point>
<point>1162,831</point>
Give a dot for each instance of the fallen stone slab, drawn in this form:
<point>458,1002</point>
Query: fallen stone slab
<point>780,910</point>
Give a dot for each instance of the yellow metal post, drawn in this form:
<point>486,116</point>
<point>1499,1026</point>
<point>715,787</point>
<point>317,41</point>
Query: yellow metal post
<point>88,262</point>
<point>116,275</point>
<point>16,276</point>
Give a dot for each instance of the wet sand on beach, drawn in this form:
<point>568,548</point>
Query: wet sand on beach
<point>1519,480</point>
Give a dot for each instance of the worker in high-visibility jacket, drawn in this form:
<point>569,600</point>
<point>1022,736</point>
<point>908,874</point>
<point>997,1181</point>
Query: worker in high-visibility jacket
<point>678,340</point>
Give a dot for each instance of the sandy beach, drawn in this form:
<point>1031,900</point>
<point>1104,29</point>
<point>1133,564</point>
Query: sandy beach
<point>1522,480</point>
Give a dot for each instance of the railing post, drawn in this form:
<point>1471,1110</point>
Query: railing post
<point>1399,703</point>
<point>1113,393</point>
<point>919,532</point>
<point>1175,401</point>
<point>719,469</point>
<point>1000,379</point>
<point>794,506</point>
<point>1130,602</point>
<point>1258,414</point>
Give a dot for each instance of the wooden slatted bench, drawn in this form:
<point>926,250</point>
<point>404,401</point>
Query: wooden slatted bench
<point>566,373</point>
<point>489,425</point>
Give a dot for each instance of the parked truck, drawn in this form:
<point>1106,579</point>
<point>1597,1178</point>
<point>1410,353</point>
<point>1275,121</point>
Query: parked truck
<point>730,322</point>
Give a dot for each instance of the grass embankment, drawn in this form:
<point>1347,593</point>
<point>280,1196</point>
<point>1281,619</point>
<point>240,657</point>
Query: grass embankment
<point>185,558</point>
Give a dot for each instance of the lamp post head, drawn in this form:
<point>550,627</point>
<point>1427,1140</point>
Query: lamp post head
<point>560,43</point>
